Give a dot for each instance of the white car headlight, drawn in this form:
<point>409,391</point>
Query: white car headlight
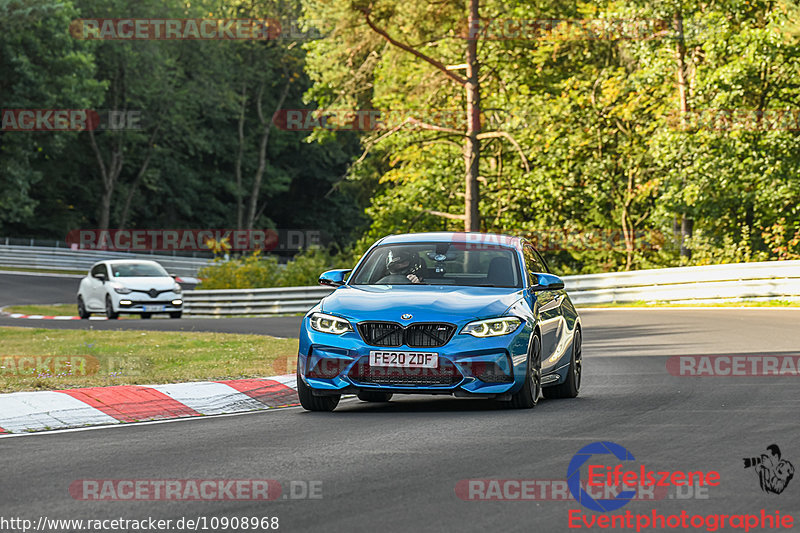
<point>122,290</point>
<point>492,327</point>
<point>330,324</point>
<point>176,289</point>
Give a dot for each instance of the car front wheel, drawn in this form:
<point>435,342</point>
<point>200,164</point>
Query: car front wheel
<point>315,403</point>
<point>571,385</point>
<point>82,312</point>
<point>110,314</point>
<point>528,395</point>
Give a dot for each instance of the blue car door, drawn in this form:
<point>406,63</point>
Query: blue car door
<point>549,303</point>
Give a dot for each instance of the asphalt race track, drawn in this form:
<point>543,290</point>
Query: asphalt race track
<point>25,289</point>
<point>395,467</point>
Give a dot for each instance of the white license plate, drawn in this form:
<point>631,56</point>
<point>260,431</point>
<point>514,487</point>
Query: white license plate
<point>155,308</point>
<point>397,359</point>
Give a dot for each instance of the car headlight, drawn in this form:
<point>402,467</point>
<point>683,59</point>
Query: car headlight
<point>330,324</point>
<point>122,290</point>
<point>492,327</point>
<point>177,289</point>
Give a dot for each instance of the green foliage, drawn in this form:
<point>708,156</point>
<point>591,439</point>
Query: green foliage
<point>587,141</point>
<point>596,122</point>
<point>256,271</point>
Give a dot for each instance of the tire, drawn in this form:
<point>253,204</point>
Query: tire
<point>145,316</point>
<point>315,403</point>
<point>571,385</point>
<point>82,312</point>
<point>528,395</point>
<point>374,396</point>
<point>110,314</point>
<point>176,314</point>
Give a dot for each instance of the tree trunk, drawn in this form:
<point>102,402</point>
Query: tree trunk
<point>123,221</point>
<point>472,147</point>
<point>109,174</point>
<point>687,228</point>
<point>687,224</point>
<point>627,227</point>
<point>105,208</point>
<point>238,167</point>
<point>266,124</point>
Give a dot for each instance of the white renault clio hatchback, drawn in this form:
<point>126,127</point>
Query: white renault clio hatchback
<point>129,286</point>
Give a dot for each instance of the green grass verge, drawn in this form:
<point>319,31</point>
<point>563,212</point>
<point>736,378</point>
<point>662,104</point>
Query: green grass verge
<point>42,270</point>
<point>46,359</point>
<point>770,303</point>
<point>47,310</point>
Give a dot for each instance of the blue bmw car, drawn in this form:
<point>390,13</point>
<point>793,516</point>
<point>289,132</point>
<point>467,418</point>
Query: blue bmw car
<point>466,314</point>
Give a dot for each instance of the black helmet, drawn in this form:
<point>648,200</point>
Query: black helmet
<point>402,262</point>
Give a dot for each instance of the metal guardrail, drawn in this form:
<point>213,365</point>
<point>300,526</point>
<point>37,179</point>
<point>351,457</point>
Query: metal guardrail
<point>770,280</point>
<point>278,301</point>
<point>704,284</point>
<point>67,259</point>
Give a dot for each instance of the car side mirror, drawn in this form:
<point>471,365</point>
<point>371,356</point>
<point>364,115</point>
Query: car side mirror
<point>547,282</point>
<point>333,278</point>
<point>173,276</point>
<point>100,276</point>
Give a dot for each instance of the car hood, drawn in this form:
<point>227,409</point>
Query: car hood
<point>426,303</point>
<point>145,283</point>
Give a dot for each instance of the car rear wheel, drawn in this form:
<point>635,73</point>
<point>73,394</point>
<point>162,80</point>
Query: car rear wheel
<point>374,396</point>
<point>82,312</point>
<point>528,395</point>
<point>571,386</point>
<point>315,403</point>
<point>110,314</point>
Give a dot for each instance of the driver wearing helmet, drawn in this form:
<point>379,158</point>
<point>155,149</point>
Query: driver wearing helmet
<point>404,263</point>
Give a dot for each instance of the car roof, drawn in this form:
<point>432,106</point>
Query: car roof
<point>118,261</point>
<point>455,236</point>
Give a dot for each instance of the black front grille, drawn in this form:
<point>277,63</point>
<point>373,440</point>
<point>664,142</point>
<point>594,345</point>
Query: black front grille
<point>152,293</point>
<point>422,335</point>
<point>428,335</point>
<point>168,303</point>
<point>381,333</point>
<point>446,375</point>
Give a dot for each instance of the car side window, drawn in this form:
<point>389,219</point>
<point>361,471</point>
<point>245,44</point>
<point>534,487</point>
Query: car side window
<point>542,261</point>
<point>533,264</point>
<point>98,269</point>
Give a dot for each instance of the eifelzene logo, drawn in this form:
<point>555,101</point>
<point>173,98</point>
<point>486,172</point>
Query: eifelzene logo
<point>774,473</point>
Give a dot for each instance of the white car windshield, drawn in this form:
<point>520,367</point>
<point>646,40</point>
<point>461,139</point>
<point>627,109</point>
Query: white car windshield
<point>137,270</point>
<point>439,264</point>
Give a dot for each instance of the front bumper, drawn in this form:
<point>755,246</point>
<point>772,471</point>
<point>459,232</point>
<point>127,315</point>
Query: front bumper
<point>137,302</point>
<point>467,366</point>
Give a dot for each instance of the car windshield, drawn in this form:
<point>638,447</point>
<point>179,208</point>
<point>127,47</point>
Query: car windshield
<point>442,263</point>
<point>138,270</point>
